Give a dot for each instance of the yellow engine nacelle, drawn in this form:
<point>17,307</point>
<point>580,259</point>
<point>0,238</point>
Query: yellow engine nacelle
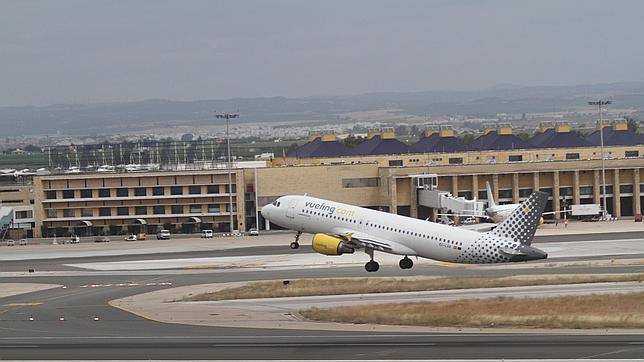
<point>329,245</point>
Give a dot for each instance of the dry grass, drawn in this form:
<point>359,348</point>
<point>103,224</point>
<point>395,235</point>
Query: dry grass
<point>595,311</point>
<point>309,287</point>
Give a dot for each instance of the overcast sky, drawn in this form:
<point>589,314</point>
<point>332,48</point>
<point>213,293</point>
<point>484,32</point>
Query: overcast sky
<point>102,51</point>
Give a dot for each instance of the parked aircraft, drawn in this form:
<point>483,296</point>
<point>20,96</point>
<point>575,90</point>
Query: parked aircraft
<point>497,213</point>
<point>341,229</point>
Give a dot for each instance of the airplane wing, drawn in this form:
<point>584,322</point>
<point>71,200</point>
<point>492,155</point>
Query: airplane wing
<point>359,240</point>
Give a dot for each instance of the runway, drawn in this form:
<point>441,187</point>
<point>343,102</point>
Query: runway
<point>121,335</point>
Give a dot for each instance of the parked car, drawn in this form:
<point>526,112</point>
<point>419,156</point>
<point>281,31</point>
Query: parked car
<point>163,235</point>
<point>102,239</point>
<point>207,234</point>
<point>253,232</point>
<point>131,237</point>
<point>11,242</point>
<point>22,242</point>
<point>74,239</point>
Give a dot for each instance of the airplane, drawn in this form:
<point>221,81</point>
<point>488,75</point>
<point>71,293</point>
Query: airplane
<point>341,229</point>
<point>497,213</point>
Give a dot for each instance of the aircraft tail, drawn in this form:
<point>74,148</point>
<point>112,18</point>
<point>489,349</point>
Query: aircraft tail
<point>524,220</point>
<point>490,195</point>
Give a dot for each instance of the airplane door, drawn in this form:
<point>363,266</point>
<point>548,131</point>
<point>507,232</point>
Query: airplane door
<point>290,211</point>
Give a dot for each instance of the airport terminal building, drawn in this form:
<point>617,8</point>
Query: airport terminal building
<point>381,173</point>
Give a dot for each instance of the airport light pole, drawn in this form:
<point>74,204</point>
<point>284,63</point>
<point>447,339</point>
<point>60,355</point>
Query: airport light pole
<point>227,117</point>
<point>599,104</point>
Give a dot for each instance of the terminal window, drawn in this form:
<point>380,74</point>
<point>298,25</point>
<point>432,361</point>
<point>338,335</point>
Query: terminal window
<point>104,211</point>
<point>158,191</point>
<point>159,210</point>
<point>122,211</point>
<point>394,163</point>
<point>141,210</point>
<point>87,212</point>
<point>585,190</point>
<point>177,209</point>
<point>86,193</point>
<point>194,190</point>
<point>572,156</point>
<point>626,189</point>
<point>122,192</point>
<point>213,189</point>
<point>515,158</point>
<point>632,153</point>
<point>68,213</point>
<point>139,191</point>
<point>455,160</point>
<point>51,194</point>
<point>195,209</point>
<point>176,190</point>
<point>505,193</point>
<point>213,208</point>
<point>68,194</point>
<point>360,182</point>
<point>25,214</point>
<point>51,213</point>
<point>104,193</point>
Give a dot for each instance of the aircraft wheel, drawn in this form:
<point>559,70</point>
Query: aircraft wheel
<point>295,245</point>
<point>406,263</point>
<point>372,266</point>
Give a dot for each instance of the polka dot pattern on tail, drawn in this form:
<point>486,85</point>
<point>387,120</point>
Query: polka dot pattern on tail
<point>522,224</point>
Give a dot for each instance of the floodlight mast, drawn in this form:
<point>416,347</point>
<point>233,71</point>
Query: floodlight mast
<point>599,104</point>
<point>227,117</point>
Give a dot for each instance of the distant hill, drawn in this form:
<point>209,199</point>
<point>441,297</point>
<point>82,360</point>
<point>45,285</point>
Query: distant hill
<point>118,117</point>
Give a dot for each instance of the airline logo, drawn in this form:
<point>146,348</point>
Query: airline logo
<point>332,210</point>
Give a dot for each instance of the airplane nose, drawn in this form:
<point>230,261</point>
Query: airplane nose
<point>265,212</point>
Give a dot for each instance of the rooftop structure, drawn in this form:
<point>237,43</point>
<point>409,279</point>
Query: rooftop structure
<point>557,136</point>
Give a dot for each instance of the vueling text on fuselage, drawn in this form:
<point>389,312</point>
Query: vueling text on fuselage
<point>330,209</point>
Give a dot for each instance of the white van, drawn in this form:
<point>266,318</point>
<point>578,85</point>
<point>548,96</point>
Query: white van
<point>207,234</point>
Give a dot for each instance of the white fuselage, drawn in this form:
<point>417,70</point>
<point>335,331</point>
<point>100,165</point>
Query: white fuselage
<point>498,213</point>
<point>408,236</point>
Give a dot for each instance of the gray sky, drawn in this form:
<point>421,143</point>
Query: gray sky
<point>102,51</point>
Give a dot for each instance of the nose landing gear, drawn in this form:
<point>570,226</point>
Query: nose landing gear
<point>405,263</point>
<point>295,244</point>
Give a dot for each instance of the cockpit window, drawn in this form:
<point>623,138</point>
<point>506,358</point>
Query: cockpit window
<point>275,203</point>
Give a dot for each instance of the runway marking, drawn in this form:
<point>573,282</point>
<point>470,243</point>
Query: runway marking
<point>611,353</point>
<point>25,304</point>
<point>20,346</point>
<point>169,284</point>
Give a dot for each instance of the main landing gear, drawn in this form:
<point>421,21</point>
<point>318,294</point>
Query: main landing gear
<point>405,263</point>
<point>296,244</point>
<point>372,265</point>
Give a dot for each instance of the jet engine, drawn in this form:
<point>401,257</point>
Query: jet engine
<point>329,245</point>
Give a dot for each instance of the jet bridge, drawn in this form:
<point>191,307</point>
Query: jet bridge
<point>6,218</point>
<point>430,196</point>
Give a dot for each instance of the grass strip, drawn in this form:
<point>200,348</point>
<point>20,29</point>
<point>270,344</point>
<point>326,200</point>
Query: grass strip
<point>335,286</point>
<point>576,312</point>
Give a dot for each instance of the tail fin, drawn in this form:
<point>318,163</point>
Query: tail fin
<point>523,222</point>
<point>490,195</point>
